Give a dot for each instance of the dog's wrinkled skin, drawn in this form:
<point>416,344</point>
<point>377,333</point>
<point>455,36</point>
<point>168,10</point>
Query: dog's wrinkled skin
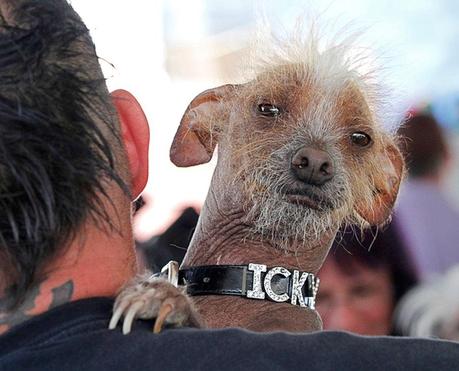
<point>301,151</point>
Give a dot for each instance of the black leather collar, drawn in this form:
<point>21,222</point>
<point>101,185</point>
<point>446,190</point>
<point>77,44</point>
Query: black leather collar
<point>253,281</point>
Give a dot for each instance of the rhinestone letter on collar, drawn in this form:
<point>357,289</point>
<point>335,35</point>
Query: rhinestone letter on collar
<point>297,283</point>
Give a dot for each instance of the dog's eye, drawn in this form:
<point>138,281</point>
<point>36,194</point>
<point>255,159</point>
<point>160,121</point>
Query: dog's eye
<point>361,139</point>
<point>268,109</point>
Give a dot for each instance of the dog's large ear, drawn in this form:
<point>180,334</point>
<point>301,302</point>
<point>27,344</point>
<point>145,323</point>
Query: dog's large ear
<point>386,183</point>
<point>195,140</point>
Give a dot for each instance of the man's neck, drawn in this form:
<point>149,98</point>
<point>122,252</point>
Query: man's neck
<point>98,266</point>
<point>40,298</point>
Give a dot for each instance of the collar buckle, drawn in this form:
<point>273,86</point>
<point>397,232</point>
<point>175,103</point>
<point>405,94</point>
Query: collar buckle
<point>171,269</point>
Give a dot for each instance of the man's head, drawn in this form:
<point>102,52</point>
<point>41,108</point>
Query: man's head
<point>424,146</point>
<point>362,279</point>
<point>62,157</point>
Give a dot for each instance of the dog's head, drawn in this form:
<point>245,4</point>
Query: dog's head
<point>302,144</point>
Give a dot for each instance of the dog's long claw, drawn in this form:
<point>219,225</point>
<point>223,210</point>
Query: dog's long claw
<point>163,313</point>
<point>117,315</point>
<point>129,318</point>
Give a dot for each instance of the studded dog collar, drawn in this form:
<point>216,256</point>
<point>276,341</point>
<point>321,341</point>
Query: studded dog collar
<point>253,281</point>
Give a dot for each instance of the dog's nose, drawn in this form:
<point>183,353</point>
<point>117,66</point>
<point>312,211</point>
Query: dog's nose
<point>312,166</point>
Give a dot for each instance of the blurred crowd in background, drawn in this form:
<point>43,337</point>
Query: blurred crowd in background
<point>401,279</point>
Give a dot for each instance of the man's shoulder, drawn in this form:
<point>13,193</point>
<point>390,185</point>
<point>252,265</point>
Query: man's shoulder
<point>75,336</point>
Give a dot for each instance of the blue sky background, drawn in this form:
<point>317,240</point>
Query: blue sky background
<point>417,39</point>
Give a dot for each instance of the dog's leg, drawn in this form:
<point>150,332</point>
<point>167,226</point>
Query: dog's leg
<point>149,297</point>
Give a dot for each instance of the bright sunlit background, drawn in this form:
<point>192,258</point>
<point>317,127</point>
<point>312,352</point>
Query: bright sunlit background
<point>168,51</point>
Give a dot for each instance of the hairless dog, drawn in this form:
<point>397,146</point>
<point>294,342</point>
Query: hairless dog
<point>301,151</point>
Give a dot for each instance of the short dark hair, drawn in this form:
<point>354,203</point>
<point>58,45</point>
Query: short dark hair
<point>423,144</point>
<point>55,153</point>
<point>376,248</point>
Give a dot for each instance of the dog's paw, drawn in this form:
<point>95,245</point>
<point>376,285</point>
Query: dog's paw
<point>153,297</point>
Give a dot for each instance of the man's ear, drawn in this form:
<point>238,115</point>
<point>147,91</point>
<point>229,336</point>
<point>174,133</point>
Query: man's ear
<point>386,184</point>
<point>195,140</point>
<point>136,136</point>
